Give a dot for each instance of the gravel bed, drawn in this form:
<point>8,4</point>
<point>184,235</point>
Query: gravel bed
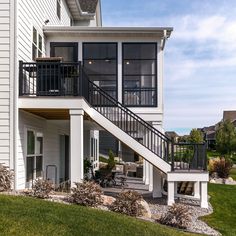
<point>158,207</point>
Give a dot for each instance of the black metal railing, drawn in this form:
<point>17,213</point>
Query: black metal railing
<point>189,156</point>
<point>128,121</point>
<point>140,97</point>
<point>49,78</point>
<point>69,79</point>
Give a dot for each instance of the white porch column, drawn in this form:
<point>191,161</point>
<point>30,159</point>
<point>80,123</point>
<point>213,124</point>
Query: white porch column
<point>197,189</point>
<point>150,177</point>
<point>144,170</point>
<point>204,196</point>
<point>147,173</point>
<point>171,193</point>
<point>157,183</point>
<point>76,146</point>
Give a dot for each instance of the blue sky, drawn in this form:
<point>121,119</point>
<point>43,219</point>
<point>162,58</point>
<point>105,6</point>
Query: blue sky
<point>200,56</point>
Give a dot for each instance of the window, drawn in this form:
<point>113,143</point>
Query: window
<point>59,9</point>
<point>37,45</point>
<point>100,64</point>
<point>34,158</point>
<point>139,74</point>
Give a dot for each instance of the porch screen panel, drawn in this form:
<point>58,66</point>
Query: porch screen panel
<point>100,64</point>
<point>140,74</point>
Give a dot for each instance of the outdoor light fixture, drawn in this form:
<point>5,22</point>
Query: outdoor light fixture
<point>90,62</point>
<point>127,63</point>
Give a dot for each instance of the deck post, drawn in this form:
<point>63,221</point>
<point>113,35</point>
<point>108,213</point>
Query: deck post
<point>171,193</point>
<point>157,183</point>
<point>150,177</point>
<point>204,196</point>
<point>76,146</point>
<point>197,189</point>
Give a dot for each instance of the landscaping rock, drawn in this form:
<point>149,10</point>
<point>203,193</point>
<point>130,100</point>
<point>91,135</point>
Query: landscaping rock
<point>107,200</point>
<point>146,212</point>
<point>212,181</point>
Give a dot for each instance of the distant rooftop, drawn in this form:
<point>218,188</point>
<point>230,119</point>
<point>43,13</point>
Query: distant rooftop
<point>229,115</point>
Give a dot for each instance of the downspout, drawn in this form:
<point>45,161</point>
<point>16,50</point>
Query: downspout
<point>163,42</point>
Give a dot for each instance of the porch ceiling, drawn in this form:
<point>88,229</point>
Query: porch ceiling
<point>52,114</point>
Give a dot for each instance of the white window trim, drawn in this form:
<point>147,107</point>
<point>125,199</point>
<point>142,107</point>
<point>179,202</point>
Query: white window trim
<point>37,44</point>
<point>35,130</point>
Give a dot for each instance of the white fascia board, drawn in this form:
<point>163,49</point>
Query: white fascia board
<point>188,176</point>
<point>158,31</point>
<point>51,103</point>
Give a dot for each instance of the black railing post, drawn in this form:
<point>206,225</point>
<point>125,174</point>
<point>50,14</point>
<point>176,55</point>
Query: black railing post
<point>172,155</point>
<point>20,78</point>
<point>80,82</point>
<point>205,156</point>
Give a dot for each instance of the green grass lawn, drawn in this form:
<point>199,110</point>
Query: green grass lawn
<point>233,173</point>
<point>28,216</point>
<point>223,200</point>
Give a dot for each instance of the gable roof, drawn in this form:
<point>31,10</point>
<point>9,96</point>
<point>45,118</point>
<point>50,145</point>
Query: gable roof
<point>88,5</point>
<point>229,115</point>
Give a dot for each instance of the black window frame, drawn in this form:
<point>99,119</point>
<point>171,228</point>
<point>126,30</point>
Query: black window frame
<point>65,44</point>
<point>116,58</point>
<point>155,75</point>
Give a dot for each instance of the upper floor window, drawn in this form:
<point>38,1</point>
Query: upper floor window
<point>59,9</point>
<point>100,63</point>
<point>140,74</point>
<point>37,45</point>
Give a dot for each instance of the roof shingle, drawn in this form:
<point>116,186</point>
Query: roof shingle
<point>88,5</point>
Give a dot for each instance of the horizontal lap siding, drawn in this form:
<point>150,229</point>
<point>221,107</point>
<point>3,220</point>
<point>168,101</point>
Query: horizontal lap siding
<point>34,13</point>
<point>5,81</point>
<point>51,144</point>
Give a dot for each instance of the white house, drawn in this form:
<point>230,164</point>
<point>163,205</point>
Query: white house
<point>64,78</point>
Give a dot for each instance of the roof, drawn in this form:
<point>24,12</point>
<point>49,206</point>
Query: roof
<point>171,134</point>
<point>82,9</point>
<point>159,32</point>
<point>88,5</point>
<point>229,115</point>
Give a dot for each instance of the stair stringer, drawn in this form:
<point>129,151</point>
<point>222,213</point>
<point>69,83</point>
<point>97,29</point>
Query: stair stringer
<point>128,140</point>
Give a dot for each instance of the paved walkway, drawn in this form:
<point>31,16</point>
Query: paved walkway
<point>131,184</point>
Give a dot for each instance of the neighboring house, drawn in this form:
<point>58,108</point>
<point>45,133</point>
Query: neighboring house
<point>172,135</point>
<point>209,135</point>
<point>64,78</point>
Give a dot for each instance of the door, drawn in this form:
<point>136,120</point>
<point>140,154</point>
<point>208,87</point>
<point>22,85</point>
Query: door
<point>69,68</point>
<point>94,149</point>
<point>67,51</point>
<point>64,158</point>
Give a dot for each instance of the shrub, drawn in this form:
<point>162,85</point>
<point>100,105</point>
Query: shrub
<point>87,193</point>
<point>177,216</point>
<point>211,165</point>
<point>111,161</point>
<point>128,202</point>
<point>6,178</point>
<point>42,188</point>
<point>222,167</point>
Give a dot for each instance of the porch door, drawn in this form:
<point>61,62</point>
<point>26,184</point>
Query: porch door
<point>94,149</point>
<point>64,158</point>
<point>68,51</point>
<point>34,156</point>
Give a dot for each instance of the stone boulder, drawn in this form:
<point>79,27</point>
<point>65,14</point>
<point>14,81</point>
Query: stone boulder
<point>146,212</point>
<point>107,200</point>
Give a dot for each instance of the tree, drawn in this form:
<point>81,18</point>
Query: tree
<point>226,138</point>
<point>196,136</point>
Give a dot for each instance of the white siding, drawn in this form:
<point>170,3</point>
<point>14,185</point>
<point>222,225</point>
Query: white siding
<point>51,144</point>
<point>4,81</point>
<point>34,13</point>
